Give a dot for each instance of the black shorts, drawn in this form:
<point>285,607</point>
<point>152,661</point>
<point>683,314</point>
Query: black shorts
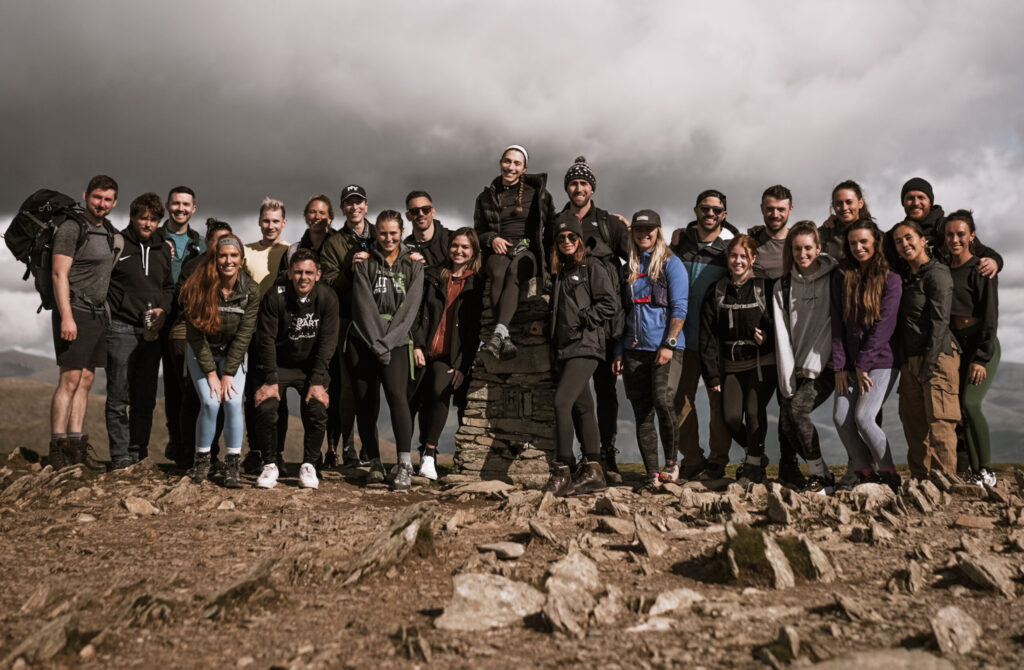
<point>89,348</point>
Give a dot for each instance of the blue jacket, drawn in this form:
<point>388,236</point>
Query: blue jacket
<point>646,323</point>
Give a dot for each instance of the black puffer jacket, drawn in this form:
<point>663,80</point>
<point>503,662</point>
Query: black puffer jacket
<point>468,307</point>
<point>142,273</point>
<point>923,326</point>
<point>583,302</point>
<point>540,212</point>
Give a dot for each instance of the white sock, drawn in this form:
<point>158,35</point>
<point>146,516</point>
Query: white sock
<point>818,467</point>
<point>501,330</point>
<point>754,460</point>
<point>203,450</point>
<point>237,452</point>
<point>405,457</point>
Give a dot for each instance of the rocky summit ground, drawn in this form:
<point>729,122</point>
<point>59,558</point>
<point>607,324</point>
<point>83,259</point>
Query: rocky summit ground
<point>141,569</point>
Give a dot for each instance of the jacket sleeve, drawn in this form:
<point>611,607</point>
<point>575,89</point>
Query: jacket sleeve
<point>879,334</point>
<point>601,309</point>
<point>481,224</point>
<point>240,343</point>
<point>620,237</point>
<point>988,296</point>
<point>983,251</point>
<point>167,285</point>
<point>469,333</point>
<point>268,319</point>
<point>327,339</point>
<point>836,317</point>
<point>197,340</point>
<point>397,330</point>
<point>710,357</point>
<point>421,329</point>
<point>784,356</point>
<point>939,290</point>
<point>678,290</point>
<point>332,259</point>
<point>365,317</point>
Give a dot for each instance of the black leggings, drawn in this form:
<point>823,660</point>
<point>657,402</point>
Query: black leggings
<point>574,405</point>
<point>795,413</point>
<point>506,274</point>
<point>434,393</point>
<point>368,376</point>
<point>744,401</point>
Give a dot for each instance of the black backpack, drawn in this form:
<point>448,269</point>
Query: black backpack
<point>30,236</point>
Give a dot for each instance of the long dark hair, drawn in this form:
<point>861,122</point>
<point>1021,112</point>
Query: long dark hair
<point>474,243</point>
<point>801,228</point>
<point>864,284</point>
<point>577,256</point>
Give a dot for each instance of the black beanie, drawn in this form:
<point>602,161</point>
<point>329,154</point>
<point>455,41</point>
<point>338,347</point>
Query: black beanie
<point>580,170</point>
<point>568,223</point>
<point>918,184</point>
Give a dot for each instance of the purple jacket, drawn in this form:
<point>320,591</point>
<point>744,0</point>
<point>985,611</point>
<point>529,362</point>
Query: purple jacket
<point>855,345</point>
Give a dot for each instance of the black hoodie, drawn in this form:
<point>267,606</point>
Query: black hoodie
<point>434,251</point>
<point>297,334</point>
<point>142,273</point>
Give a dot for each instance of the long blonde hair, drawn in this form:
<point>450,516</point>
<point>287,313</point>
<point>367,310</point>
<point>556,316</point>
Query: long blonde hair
<point>659,257</point>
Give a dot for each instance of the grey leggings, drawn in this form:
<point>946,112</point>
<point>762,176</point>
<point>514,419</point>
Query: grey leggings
<point>855,415</point>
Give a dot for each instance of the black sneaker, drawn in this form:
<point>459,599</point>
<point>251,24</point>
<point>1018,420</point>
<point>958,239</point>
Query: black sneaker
<point>848,481</point>
<point>750,474</point>
<point>330,459</point>
<point>508,349</point>
<point>253,463</point>
<point>712,471</point>
<point>364,458</point>
<point>823,486</point>
<point>349,457</point>
<point>693,471</point>
<point>891,479</point>
<point>790,474</point>
<point>492,346</point>
<point>120,463</point>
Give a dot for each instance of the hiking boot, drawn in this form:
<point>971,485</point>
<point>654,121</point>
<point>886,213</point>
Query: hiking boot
<point>560,482</point>
<point>492,346</point>
<point>890,478</point>
<point>253,463</point>
<point>693,471</point>
<point>508,349</point>
<point>611,469</point>
<point>120,463</point>
<point>589,478</point>
<point>750,474</point>
<point>823,486</point>
<point>790,474</point>
<point>330,458</point>
<point>307,476</point>
<point>713,471</point>
<point>59,454</point>
<point>232,471</point>
<point>649,483</point>
<point>670,473</point>
<point>80,451</point>
<point>200,467</point>
<point>428,468</point>
<point>403,477</point>
<point>268,477</point>
<point>376,473</point>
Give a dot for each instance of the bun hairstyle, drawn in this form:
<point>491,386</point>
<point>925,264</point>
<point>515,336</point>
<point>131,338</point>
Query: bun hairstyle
<point>213,226</point>
<point>851,185</point>
<point>526,158</point>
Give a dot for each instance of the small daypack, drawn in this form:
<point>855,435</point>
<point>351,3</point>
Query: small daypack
<point>30,237</point>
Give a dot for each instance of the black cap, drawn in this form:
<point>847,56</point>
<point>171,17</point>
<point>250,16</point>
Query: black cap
<point>918,184</point>
<point>353,190</point>
<point>568,223</point>
<point>647,217</point>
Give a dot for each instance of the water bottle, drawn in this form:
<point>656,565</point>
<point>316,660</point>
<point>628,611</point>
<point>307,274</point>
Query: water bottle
<point>149,333</point>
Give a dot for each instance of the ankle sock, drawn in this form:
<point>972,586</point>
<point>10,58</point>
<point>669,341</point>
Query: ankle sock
<point>58,436</point>
<point>405,458</point>
<point>753,460</point>
<point>817,467</point>
<point>74,436</point>
<point>501,330</point>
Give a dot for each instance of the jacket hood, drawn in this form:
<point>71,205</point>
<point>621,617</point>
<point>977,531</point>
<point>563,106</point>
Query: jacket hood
<point>598,248</point>
<point>827,265</point>
<point>153,242</point>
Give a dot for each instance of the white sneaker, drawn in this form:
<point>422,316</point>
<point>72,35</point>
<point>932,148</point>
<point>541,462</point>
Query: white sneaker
<point>267,478</point>
<point>987,477</point>
<point>307,477</point>
<point>427,468</point>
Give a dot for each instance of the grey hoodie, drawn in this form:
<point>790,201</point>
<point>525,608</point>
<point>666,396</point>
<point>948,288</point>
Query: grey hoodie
<point>384,306</point>
<point>803,328</point>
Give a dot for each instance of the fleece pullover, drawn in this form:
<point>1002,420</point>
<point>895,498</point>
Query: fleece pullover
<point>803,325</point>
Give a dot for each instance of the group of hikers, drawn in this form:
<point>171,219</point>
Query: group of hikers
<point>803,312</point>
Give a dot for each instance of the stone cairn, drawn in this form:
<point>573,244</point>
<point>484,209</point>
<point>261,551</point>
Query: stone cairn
<point>508,432</point>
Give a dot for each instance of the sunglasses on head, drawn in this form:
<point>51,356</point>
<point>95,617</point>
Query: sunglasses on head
<point>568,237</point>
<point>420,211</point>
<point>709,208</point>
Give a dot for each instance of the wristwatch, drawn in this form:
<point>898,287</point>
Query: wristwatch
<point>669,343</point>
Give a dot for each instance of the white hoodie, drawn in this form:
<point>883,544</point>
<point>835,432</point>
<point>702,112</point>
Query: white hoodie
<point>803,328</point>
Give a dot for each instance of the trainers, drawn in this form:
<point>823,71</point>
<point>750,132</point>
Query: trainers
<point>492,346</point>
<point>693,471</point>
<point>232,471</point>
<point>428,468</point>
<point>376,473</point>
<point>848,481</point>
<point>120,463</point>
<point>750,474</point>
<point>330,458</point>
<point>307,476</point>
<point>823,486</point>
<point>253,463</point>
<point>670,473</point>
<point>364,458</point>
<point>508,349</point>
<point>649,483</point>
<point>268,477</point>
<point>713,471</point>
<point>200,467</point>
<point>790,474</point>
<point>987,477</point>
<point>403,477</point>
<point>349,457</point>
<point>890,478</point>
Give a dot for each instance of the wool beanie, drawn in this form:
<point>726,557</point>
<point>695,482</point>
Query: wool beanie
<point>918,184</point>
<point>580,170</point>
<point>568,223</point>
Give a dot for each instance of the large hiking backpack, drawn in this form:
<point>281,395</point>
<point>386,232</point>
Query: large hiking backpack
<point>30,237</point>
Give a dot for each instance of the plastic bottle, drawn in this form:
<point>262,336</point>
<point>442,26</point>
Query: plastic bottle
<point>150,333</point>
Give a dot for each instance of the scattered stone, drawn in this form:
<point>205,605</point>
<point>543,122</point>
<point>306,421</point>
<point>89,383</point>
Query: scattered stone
<point>790,640</point>
<point>932,492</point>
<point>610,607</point>
<point>955,631</point>
<point>254,587</point>
<point>675,601</point>
<point>821,568</point>
<point>970,544</point>
<point>870,497</point>
<point>412,528</point>
<point>749,552</point>
<point>85,518</point>
<point>649,538</point>
<point>672,488</point>
<point>46,642</point>
<point>608,507</point>
<point>546,504</point>
<point>617,525</point>
<point>226,505</point>
<point>489,487</point>
<point>183,493</point>
<point>654,624</point>
<point>577,567</point>
<point>911,579</point>
<point>481,602</point>
<point>874,534</point>
<point>987,572</point>
<point>455,521</point>
<point>919,499</point>
<point>972,521</point>
<point>777,510</point>
<point>38,600</point>
<point>503,550</point>
<point>139,506</point>
<point>539,530</point>
<point>970,491</point>
<point>1016,540</point>
<point>890,659</point>
<point>568,606</point>
<point>944,482</point>
<point>88,652</point>
<point>852,609</point>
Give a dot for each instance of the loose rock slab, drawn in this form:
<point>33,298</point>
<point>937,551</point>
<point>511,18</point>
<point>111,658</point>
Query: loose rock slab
<point>890,659</point>
<point>505,550</point>
<point>955,630</point>
<point>674,601</point>
<point>649,537</point>
<point>481,602</point>
<point>411,527</point>
<point>139,506</point>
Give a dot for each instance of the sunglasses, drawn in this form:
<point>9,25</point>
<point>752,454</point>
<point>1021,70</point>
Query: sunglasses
<point>567,237</point>
<point>704,209</point>
<point>420,211</point>
<point>355,200</point>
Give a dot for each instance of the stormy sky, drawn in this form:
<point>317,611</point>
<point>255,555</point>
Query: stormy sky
<point>241,100</point>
